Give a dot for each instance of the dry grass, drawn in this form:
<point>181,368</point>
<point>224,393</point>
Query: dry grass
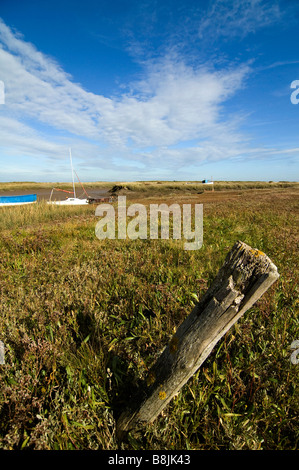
<point>82,320</point>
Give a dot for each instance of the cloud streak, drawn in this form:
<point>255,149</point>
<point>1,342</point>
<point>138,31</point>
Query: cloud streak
<point>170,104</point>
<point>231,18</point>
<point>172,117</point>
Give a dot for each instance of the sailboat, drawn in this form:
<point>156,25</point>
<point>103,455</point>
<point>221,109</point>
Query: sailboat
<point>70,201</point>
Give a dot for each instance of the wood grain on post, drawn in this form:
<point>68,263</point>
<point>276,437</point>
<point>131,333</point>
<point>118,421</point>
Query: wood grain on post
<point>244,277</point>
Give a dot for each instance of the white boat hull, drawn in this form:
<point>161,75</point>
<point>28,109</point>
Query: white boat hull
<point>70,201</point>
<point>16,203</point>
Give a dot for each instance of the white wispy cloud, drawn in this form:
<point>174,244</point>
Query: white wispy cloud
<point>230,18</point>
<point>173,115</point>
<point>172,103</point>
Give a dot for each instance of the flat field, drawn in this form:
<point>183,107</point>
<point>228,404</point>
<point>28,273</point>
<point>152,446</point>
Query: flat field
<point>83,319</point>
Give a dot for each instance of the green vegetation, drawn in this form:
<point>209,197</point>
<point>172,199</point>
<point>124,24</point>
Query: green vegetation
<point>83,319</point>
<point>152,186</point>
<point>32,186</point>
<point>191,186</point>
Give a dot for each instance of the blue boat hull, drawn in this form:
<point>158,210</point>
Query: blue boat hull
<point>17,200</point>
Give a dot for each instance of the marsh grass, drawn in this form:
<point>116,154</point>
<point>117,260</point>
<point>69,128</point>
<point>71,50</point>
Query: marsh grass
<point>83,319</point>
<point>39,214</point>
<point>188,186</point>
<point>152,186</point>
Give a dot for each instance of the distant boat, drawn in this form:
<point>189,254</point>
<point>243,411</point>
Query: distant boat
<point>17,200</point>
<point>70,201</point>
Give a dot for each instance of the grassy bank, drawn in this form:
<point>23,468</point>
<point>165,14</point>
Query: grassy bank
<point>33,186</point>
<point>83,319</point>
<point>150,186</point>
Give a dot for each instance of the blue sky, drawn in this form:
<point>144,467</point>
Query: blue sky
<point>147,90</point>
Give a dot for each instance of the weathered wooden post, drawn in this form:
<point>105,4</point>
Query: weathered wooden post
<point>244,277</point>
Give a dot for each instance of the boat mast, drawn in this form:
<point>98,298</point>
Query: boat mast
<point>72,174</point>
